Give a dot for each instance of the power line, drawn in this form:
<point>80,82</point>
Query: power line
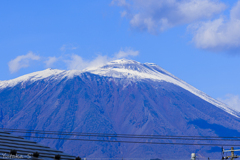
<point>167,137</point>
<point>107,134</point>
<point>133,141</point>
<point>137,137</point>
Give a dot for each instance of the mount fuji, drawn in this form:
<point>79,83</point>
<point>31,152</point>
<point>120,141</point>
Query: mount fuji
<point>121,97</point>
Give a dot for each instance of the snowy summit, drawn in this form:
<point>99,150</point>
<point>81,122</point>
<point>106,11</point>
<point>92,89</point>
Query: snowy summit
<point>129,70</point>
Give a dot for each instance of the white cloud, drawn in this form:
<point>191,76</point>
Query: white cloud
<point>219,34</point>
<point>21,62</point>
<point>63,48</point>
<point>232,100</point>
<point>120,3</point>
<point>50,61</point>
<point>76,62</point>
<point>98,61</point>
<point>126,53</point>
<point>158,15</point>
<point>71,61</point>
<point>67,47</point>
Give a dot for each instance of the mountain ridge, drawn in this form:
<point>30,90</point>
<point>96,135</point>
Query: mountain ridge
<point>94,101</point>
<point>128,69</point>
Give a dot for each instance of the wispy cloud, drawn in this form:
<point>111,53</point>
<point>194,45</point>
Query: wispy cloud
<point>69,61</point>
<point>120,3</point>
<point>77,62</point>
<point>220,34</point>
<point>65,47</point>
<point>126,53</point>
<point>232,100</point>
<point>22,62</point>
<point>158,15</point>
<point>50,61</point>
<point>98,61</point>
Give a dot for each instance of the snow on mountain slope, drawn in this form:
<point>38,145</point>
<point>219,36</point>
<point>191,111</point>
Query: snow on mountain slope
<point>134,70</point>
<point>126,69</point>
<point>35,76</point>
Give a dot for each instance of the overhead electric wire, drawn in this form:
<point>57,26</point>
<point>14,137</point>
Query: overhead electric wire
<point>162,137</point>
<point>138,137</point>
<point>107,134</point>
<point>133,141</point>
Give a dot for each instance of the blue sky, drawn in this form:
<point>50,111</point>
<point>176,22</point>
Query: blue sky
<point>196,40</point>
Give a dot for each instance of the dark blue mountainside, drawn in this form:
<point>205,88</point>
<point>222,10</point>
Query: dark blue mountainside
<point>122,97</point>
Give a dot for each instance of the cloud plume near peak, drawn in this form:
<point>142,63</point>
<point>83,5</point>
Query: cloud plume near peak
<point>69,61</point>
<point>78,63</point>
<point>156,16</point>
<point>22,61</point>
<point>126,53</point>
<point>50,61</point>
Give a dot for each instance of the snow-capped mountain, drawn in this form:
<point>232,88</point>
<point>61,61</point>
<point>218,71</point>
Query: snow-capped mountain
<point>123,97</point>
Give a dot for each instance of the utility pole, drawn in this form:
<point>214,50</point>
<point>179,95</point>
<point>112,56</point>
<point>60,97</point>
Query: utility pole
<point>232,154</point>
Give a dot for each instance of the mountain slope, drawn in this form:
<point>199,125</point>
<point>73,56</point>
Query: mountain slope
<point>123,97</point>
